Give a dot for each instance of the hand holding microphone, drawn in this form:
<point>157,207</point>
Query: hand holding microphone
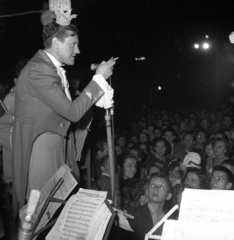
<point>104,68</point>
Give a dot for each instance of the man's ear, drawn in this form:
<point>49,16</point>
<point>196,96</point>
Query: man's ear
<point>229,186</point>
<point>169,196</point>
<point>55,42</point>
<point>103,168</point>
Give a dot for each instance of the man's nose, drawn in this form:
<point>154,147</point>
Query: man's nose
<point>77,50</point>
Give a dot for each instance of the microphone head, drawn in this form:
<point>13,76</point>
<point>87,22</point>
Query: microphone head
<point>231,37</point>
<point>94,66</point>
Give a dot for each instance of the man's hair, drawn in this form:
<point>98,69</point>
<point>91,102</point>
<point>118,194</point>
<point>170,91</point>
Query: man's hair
<point>161,175</point>
<point>188,133</point>
<point>169,129</point>
<point>64,32</point>
<point>224,170</point>
<point>229,162</point>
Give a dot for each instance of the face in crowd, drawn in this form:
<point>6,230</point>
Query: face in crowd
<point>129,167</point>
<point>170,137</point>
<point>220,181</point>
<point>192,181</point>
<point>160,148</point>
<point>220,148</point>
<point>158,190</point>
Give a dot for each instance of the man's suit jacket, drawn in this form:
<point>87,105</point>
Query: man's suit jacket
<point>42,106</point>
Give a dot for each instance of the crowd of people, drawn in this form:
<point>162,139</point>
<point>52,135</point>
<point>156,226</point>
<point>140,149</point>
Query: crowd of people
<point>161,155</point>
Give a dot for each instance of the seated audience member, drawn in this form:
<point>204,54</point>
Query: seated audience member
<point>227,122</point>
<point>221,148</point>
<point>229,163</point>
<point>127,167</point>
<point>173,173</point>
<point>145,148</point>
<point>143,138</point>
<point>208,146</point>
<point>159,190</point>
<point>134,139</point>
<point>120,140</point>
<point>150,131</point>
<point>205,124</point>
<point>152,168</point>
<point>176,148</point>
<point>196,179</point>
<point>200,139</point>
<point>137,153</point>
<point>119,150</point>
<point>157,133</point>
<point>221,178</point>
<point>159,146</point>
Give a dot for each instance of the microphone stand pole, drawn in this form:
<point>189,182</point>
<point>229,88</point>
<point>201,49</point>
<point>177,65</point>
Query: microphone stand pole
<point>110,143</point>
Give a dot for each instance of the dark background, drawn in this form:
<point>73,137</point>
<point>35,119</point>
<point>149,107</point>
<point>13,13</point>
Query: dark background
<point>162,31</point>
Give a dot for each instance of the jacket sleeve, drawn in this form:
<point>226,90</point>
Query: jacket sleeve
<point>45,84</point>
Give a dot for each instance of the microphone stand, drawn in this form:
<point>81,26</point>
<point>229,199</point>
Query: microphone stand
<point>110,142</point>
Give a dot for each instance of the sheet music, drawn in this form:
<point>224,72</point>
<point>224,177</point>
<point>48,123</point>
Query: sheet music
<point>79,215</point>
<point>207,206</point>
<point>62,193</point>
<point>175,230</point>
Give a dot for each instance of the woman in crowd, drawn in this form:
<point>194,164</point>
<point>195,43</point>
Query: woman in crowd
<point>221,149</point>
<point>127,167</point>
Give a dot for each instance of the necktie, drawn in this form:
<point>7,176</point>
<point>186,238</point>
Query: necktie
<point>61,73</point>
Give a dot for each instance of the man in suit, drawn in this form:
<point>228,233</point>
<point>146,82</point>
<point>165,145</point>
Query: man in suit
<point>44,110</point>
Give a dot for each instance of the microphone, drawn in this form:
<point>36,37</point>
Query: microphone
<point>94,66</point>
<point>25,232</point>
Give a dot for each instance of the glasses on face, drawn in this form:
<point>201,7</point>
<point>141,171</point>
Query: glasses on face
<point>201,136</point>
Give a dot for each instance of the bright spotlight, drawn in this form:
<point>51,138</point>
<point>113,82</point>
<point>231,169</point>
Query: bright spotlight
<point>206,36</point>
<point>196,46</point>
<point>205,45</point>
<point>159,88</point>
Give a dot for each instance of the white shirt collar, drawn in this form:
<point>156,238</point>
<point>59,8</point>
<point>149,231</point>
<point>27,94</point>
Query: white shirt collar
<point>54,60</point>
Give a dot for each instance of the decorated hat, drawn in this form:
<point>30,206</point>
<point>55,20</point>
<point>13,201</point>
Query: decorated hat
<point>192,160</point>
<point>58,16</point>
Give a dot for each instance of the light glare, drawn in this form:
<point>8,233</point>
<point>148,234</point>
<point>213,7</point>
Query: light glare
<point>196,46</point>
<point>206,46</point>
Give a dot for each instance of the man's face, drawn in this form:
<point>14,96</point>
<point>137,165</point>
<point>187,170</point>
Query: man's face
<point>201,137</point>
<point>67,50</point>
<point>188,141</point>
<point>227,122</point>
<point>169,136</point>
<point>204,124</point>
<point>219,181</point>
<point>158,190</point>
<point>160,148</point>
